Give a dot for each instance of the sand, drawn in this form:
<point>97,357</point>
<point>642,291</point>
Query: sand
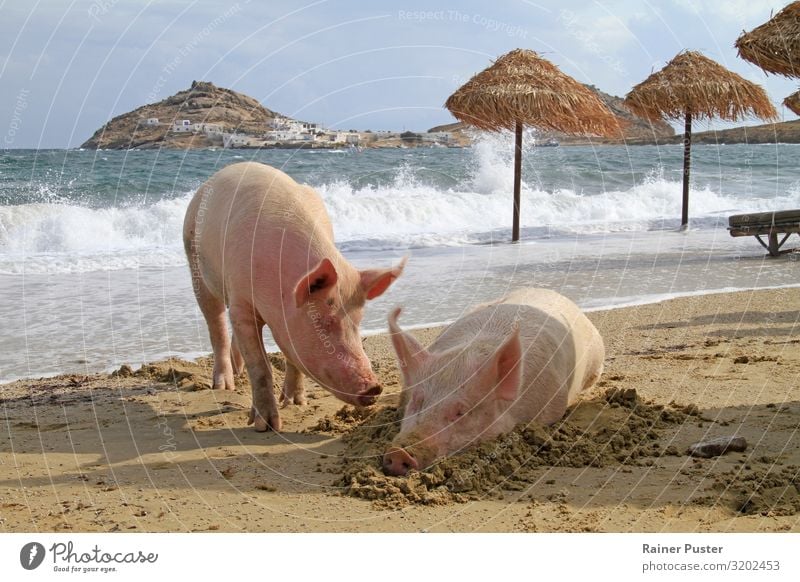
<point>156,450</point>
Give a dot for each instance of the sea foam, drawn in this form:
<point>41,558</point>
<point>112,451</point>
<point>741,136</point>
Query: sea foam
<point>406,211</point>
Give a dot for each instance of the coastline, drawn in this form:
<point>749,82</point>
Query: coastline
<point>154,451</point>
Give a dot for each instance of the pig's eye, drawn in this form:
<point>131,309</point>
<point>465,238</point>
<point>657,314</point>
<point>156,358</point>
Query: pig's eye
<point>456,414</point>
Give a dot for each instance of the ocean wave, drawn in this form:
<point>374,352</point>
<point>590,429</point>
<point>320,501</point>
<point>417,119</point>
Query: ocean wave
<point>62,237</point>
<point>409,210</point>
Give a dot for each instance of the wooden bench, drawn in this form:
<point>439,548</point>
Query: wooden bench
<point>769,224</point>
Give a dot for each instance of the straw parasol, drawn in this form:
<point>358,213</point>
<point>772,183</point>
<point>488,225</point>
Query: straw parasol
<point>692,86</point>
<point>775,45</point>
<point>793,102</point>
<point>521,88</point>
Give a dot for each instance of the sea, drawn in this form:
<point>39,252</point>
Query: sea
<point>93,273</point>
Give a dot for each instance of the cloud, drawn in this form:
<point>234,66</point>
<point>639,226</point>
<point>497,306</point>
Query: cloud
<point>333,61</point>
<point>739,11</point>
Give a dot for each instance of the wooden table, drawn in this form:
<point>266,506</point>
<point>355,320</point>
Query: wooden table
<point>776,226</point>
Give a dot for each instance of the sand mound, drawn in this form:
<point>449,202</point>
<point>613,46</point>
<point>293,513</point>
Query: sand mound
<point>342,421</point>
<point>190,376</point>
<point>617,428</point>
<point>771,491</point>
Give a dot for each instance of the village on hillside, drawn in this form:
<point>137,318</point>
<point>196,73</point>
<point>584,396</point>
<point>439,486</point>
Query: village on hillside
<point>287,132</point>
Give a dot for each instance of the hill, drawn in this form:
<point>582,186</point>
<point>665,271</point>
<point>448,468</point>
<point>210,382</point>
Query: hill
<point>784,132</point>
<point>202,103</point>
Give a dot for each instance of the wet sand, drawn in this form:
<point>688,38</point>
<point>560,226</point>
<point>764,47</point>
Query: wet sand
<point>157,451</point>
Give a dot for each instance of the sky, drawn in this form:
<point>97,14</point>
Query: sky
<point>67,67</point>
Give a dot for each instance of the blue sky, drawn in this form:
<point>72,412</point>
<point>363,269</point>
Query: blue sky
<point>68,67</point>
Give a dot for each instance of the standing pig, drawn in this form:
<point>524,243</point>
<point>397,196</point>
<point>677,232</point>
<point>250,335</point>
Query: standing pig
<point>523,358</point>
<point>261,245</point>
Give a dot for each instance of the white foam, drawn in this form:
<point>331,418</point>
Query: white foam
<point>69,238</point>
<point>405,213</point>
<point>609,303</point>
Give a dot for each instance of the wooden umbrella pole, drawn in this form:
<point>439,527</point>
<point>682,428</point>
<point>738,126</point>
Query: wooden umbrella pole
<point>517,180</point>
<point>687,146</point>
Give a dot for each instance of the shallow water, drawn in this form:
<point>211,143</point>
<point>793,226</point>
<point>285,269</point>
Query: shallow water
<point>92,270</point>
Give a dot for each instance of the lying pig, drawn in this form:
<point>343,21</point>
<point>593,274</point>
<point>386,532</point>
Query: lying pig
<point>523,358</point>
<point>261,245</point>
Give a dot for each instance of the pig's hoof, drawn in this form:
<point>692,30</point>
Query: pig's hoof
<point>224,382</point>
<point>298,399</point>
<point>260,424</point>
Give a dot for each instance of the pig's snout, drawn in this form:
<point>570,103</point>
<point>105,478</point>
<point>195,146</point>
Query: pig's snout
<point>370,395</point>
<point>398,462</point>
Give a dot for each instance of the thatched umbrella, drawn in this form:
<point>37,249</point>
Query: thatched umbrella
<point>793,102</point>
<point>775,45</point>
<point>692,86</point>
<point>521,88</point>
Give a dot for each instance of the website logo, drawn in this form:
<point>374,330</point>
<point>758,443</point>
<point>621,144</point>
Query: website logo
<point>31,555</point>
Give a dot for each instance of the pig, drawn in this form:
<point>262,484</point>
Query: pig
<point>261,246</point>
<point>522,358</point>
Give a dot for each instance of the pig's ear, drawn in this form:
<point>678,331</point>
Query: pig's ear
<point>410,353</point>
<point>322,277</point>
<point>376,281</point>
<point>507,366</point>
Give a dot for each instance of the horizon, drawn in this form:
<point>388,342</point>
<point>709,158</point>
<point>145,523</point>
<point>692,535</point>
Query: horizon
<point>66,71</point>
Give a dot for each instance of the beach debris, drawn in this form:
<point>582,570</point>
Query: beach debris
<point>194,384</point>
<point>342,421</point>
<point>717,446</point>
<point>124,371</point>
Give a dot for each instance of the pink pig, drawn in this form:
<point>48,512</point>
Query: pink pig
<point>261,245</point>
<point>522,358</point>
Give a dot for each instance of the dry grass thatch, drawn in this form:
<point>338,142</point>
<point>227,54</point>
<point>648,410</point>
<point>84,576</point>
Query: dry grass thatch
<point>775,45</point>
<point>793,102</point>
<point>523,87</point>
<point>693,83</point>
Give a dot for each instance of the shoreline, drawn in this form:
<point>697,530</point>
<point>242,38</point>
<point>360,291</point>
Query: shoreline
<point>564,144</point>
<point>428,327</point>
<point>170,449</point>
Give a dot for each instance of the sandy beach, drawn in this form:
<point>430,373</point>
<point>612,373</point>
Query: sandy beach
<point>154,450</point>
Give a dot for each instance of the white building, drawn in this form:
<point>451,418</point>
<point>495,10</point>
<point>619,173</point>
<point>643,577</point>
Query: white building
<point>278,135</point>
<point>436,137</point>
<point>352,138</point>
<point>207,128</point>
<point>151,121</point>
<point>233,140</point>
<point>214,131</point>
<point>182,126</point>
<point>284,129</point>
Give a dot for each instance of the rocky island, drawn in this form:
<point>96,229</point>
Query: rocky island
<point>206,116</point>
<point>198,117</point>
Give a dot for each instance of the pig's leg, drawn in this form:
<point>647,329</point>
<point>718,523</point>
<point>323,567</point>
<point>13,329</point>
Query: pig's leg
<point>293,389</point>
<point>214,312</point>
<point>248,330</point>
<point>236,358</point>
